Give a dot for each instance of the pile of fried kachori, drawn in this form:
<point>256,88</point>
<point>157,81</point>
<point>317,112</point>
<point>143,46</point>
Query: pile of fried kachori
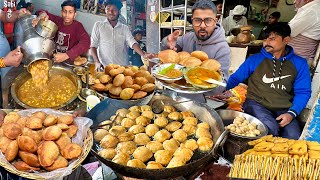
<point>143,139</point>
<point>195,59</point>
<point>124,83</point>
<point>38,141</point>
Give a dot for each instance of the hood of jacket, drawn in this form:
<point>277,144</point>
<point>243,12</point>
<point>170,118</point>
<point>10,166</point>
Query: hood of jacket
<point>289,54</point>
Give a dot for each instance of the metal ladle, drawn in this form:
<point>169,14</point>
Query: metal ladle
<point>85,92</point>
<point>158,105</point>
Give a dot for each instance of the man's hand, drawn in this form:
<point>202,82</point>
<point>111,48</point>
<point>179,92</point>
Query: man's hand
<point>60,57</point>
<point>148,55</point>
<point>97,66</point>
<point>172,40</point>
<point>285,118</point>
<point>13,58</point>
<point>43,15</point>
<point>23,11</point>
<point>79,112</point>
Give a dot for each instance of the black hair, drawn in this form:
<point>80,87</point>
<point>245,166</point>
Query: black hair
<point>117,3</point>
<point>28,4</point>
<point>276,14</point>
<point>218,2</point>
<point>280,28</point>
<point>137,31</point>
<point>69,3</point>
<point>204,4</point>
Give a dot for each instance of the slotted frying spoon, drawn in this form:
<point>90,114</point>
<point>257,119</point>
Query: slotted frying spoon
<point>158,105</point>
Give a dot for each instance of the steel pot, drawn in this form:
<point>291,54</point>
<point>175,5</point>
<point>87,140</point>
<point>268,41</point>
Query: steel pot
<point>37,48</point>
<point>104,110</point>
<point>24,30</point>
<point>46,29</point>
<point>24,76</point>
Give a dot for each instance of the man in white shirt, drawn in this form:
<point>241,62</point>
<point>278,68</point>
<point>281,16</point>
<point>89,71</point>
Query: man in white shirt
<point>305,29</point>
<point>236,19</point>
<point>110,38</point>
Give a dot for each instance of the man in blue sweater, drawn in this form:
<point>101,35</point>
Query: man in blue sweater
<point>279,83</point>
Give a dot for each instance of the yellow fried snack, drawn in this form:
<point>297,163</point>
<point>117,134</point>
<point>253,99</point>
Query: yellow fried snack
<point>312,145</point>
<point>263,146</point>
<point>290,142</point>
<point>261,153</point>
<point>268,137</point>
<point>314,154</point>
<point>279,155</point>
<point>280,148</point>
<point>280,140</point>
<point>298,148</point>
<point>249,151</point>
<point>257,141</point>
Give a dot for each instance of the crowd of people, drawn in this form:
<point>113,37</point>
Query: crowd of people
<point>280,70</point>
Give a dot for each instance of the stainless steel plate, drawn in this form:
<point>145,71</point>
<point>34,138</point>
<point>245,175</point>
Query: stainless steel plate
<point>228,116</point>
<point>181,86</point>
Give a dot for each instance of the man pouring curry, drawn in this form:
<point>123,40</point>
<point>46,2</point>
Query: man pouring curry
<point>71,38</point>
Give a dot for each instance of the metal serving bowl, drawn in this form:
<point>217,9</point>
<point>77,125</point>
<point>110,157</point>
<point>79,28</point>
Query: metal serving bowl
<point>24,76</point>
<point>228,116</point>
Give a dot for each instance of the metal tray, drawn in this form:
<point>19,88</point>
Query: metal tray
<point>181,86</point>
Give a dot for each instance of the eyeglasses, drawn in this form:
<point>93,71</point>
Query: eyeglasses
<point>207,21</point>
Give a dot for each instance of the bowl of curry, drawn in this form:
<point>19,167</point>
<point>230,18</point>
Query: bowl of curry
<point>168,72</point>
<point>46,88</point>
<point>197,76</point>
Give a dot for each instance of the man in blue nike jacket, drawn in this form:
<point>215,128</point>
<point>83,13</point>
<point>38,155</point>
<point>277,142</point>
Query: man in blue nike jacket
<point>279,83</point>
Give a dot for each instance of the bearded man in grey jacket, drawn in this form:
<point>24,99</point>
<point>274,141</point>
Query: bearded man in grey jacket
<point>208,36</point>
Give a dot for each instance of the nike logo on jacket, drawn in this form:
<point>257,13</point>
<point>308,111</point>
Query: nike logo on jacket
<point>277,84</point>
<point>271,80</point>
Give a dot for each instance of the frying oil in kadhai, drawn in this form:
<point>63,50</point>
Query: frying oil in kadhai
<point>43,91</point>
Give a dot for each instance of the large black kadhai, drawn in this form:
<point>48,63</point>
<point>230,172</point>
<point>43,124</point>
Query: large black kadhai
<point>108,107</point>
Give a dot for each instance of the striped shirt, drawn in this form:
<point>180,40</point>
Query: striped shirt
<point>304,47</point>
<point>112,43</point>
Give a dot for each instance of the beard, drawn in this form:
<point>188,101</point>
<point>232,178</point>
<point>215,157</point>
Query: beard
<point>203,35</point>
<point>113,18</point>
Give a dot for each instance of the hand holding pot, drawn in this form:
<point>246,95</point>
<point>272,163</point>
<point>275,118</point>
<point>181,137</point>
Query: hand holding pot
<point>13,58</point>
<point>43,15</point>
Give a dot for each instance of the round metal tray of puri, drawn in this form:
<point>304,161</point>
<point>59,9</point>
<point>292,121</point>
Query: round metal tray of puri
<point>228,116</point>
<point>201,111</point>
<point>127,103</point>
